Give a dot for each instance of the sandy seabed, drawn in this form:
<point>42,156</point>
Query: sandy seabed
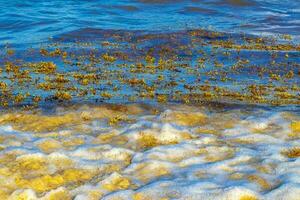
<point>142,152</point>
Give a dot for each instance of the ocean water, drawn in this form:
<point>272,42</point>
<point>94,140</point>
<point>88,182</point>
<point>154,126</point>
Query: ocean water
<point>150,99</point>
<point>29,21</point>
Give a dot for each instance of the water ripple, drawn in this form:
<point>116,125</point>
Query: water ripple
<point>31,21</point>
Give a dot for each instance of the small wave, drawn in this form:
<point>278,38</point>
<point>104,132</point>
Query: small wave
<point>228,15</point>
<point>140,151</point>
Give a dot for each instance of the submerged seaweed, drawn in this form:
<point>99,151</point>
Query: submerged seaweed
<point>189,66</point>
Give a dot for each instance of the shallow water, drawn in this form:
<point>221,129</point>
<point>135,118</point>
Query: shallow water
<point>150,99</point>
<point>139,151</point>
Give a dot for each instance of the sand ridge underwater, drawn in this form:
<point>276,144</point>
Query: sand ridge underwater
<point>137,151</point>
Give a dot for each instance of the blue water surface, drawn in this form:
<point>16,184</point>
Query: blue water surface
<point>34,21</point>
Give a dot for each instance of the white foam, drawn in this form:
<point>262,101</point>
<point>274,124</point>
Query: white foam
<point>207,161</point>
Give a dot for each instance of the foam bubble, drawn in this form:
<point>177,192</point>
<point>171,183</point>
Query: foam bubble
<point>179,153</point>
